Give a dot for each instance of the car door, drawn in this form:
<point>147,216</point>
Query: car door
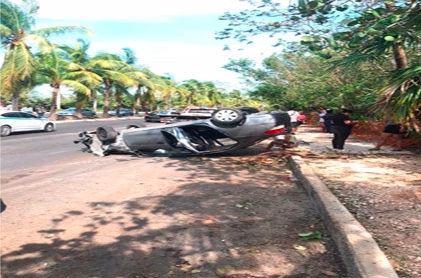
<point>30,122</point>
<point>14,120</point>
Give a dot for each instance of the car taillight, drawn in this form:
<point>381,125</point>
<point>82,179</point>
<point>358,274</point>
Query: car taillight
<point>147,114</point>
<point>276,130</point>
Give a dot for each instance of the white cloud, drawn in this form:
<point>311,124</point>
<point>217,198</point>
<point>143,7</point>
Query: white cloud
<point>183,61</point>
<point>190,61</point>
<point>134,10</point>
<point>203,59</point>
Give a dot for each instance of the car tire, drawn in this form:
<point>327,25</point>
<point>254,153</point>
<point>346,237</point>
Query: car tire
<point>5,130</point>
<point>247,110</point>
<point>49,127</point>
<point>106,134</point>
<point>227,117</point>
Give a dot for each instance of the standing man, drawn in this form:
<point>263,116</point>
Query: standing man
<point>322,119</point>
<point>294,120</point>
<point>328,120</point>
<point>341,128</point>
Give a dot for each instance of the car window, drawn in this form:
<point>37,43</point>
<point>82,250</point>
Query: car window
<point>28,116</point>
<point>12,115</point>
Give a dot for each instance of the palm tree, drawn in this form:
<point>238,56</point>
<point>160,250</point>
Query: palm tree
<point>213,95</point>
<point>20,43</point>
<point>144,80</point>
<point>193,87</point>
<point>144,83</point>
<point>120,89</point>
<point>402,97</point>
<point>166,86</point>
<point>112,70</point>
<point>79,76</point>
<point>56,68</point>
<point>140,75</point>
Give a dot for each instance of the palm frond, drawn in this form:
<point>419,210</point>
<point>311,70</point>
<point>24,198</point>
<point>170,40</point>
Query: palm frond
<point>43,45</point>
<point>402,97</point>
<point>59,30</point>
<point>77,87</point>
<point>14,17</point>
<point>5,31</point>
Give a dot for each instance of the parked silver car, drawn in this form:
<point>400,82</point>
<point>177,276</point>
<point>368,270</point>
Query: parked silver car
<point>227,130</point>
<point>15,121</point>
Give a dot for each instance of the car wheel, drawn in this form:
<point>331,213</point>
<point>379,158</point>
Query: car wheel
<point>106,133</point>
<point>5,130</point>
<point>49,127</point>
<point>227,117</point>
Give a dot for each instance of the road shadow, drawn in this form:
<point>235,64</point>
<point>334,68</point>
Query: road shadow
<point>229,217</point>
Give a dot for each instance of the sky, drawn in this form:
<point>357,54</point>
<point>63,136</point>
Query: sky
<point>175,38</point>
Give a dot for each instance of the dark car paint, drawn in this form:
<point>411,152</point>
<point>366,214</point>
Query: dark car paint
<point>123,112</point>
<point>152,117</point>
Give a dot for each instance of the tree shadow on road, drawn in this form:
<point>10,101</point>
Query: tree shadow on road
<point>226,218</point>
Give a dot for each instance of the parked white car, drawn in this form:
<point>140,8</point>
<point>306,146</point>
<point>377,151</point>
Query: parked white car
<point>15,121</point>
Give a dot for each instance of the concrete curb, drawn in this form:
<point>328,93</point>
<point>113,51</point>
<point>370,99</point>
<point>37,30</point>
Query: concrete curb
<point>359,251</point>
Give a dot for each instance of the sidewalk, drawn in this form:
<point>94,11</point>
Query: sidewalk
<point>359,251</point>
<point>315,140</point>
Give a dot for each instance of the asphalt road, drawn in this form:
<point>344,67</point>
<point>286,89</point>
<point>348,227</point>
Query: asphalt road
<point>29,150</point>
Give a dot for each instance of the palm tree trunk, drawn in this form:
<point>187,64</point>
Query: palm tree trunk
<point>137,101</point>
<point>56,92</point>
<point>95,101</point>
<point>15,101</point>
<point>399,53</point>
<point>400,56</point>
<point>107,98</point>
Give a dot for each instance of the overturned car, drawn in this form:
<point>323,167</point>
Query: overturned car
<point>227,130</point>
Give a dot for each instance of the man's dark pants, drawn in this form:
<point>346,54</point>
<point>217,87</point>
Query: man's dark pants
<point>340,134</point>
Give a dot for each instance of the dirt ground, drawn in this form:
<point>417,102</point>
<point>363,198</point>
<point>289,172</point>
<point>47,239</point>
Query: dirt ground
<point>384,194</point>
<point>382,191</point>
<point>121,216</point>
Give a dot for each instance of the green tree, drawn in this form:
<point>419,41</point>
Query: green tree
<point>21,42</point>
<point>166,86</point>
<point>212,93</point>
<point>140,75</point>
<point>359,31</point>
<point>79,75</point>
<point>195,92</point>
<point>191,88</point>
<point>145,83</point>
<point>54,70</point>
<point>113,71</point>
